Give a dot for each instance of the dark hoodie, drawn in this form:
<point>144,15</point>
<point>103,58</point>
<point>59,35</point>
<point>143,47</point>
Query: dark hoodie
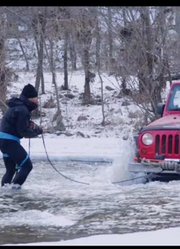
<point>16,121</point>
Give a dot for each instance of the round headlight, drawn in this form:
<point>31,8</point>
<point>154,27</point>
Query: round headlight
<point>147,139</point>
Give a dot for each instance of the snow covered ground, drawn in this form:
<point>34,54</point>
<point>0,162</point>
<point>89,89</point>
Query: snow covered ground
<point>164,237</point>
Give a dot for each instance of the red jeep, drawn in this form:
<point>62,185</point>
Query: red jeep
<point>158,144</point>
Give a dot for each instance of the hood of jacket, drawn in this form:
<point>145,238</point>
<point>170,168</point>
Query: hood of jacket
<point>22,100</point>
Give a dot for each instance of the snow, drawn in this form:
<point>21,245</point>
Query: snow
<point>111,143</point>
<point>160,237</point>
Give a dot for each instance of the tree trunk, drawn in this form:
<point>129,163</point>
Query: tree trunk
<point>72,51</point>
<point>87,92</point>
<point>3,83</point>
<point>66,87</point>
<point>24,53</point>
<point>110,40</point>
<point>59,118</point>
<point>39,71</point>
<point>38,25</point>
<point>98,45</point>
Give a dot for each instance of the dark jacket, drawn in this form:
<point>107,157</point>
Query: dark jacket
<point>17,119</point>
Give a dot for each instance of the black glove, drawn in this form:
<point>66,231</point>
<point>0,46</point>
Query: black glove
<point>36,128</point>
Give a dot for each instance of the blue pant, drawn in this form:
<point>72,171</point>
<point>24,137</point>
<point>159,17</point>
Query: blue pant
<point>17,162</point>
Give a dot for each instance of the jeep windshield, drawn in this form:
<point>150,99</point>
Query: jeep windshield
<point>174,103</point>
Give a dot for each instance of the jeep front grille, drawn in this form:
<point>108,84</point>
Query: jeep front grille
<point>167,144</point>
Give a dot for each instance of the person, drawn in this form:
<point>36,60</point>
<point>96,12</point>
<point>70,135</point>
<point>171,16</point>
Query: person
<point>16,123</point>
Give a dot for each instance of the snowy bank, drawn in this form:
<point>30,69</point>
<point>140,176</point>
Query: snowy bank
<point>160,237</point>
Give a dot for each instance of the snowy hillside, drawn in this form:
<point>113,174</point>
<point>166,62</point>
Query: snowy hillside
<point>121,115</point>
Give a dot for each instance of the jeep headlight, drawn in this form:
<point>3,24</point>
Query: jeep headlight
<point>147,139</point>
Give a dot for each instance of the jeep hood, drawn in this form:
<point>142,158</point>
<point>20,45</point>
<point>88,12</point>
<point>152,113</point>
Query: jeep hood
<point>166,122</point>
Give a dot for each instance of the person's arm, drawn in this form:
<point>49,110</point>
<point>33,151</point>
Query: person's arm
<point>25,127</point>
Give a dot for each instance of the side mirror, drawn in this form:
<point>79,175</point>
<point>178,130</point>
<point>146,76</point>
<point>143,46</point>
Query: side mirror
<point>160,108</point>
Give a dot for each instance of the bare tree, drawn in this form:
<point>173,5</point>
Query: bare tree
<point>110,38</point>
<point>38,27</point>
<point>65,28</point>
<point>23,52</point>
<point>72,50</point>
<point>143,54</point>
<point>85,26</point>
<point>3,82</point>
<point>98,41</point>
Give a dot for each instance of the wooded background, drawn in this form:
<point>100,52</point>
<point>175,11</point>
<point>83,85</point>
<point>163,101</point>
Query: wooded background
<point>139,46</point>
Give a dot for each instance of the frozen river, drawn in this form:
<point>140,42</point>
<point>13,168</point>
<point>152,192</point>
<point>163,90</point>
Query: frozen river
<point>50,207</point>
